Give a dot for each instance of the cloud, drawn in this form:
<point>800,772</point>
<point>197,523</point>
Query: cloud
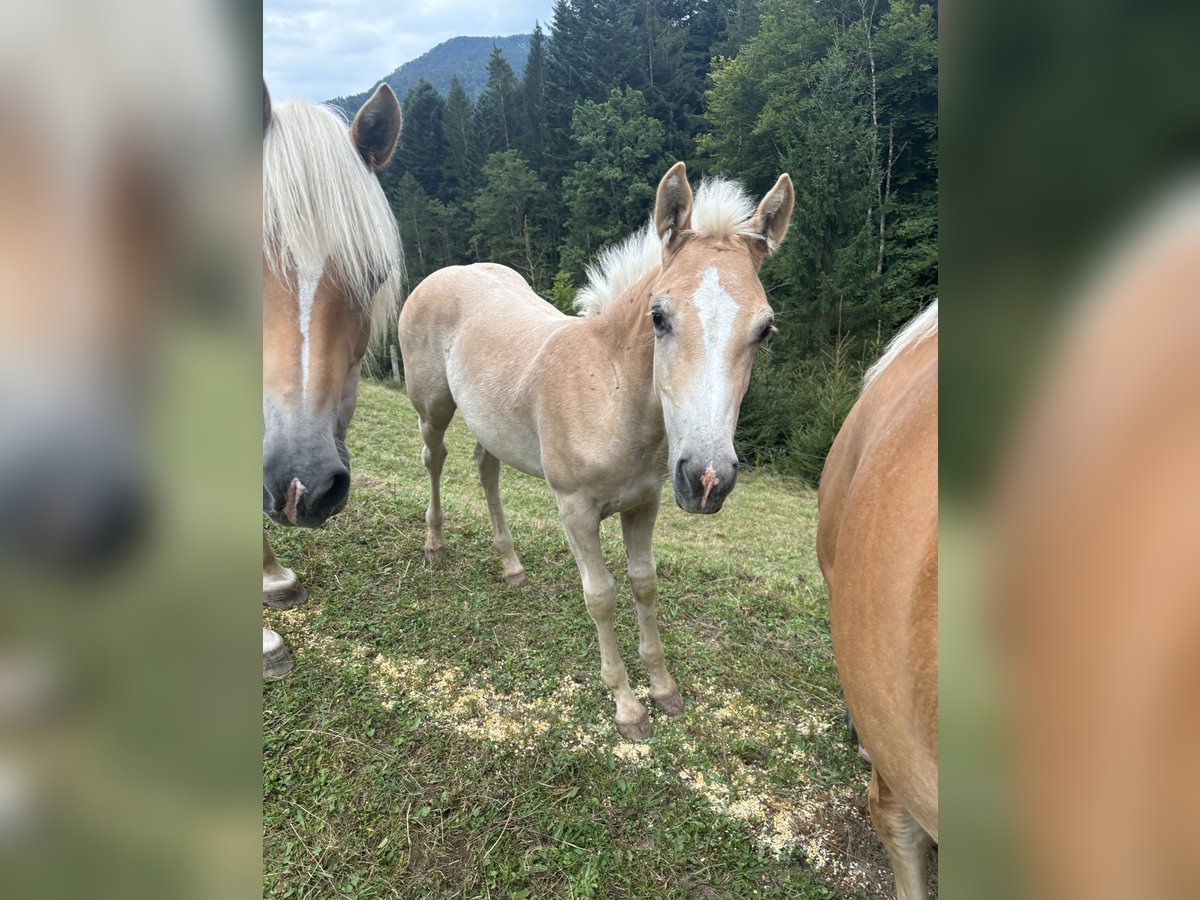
<point>320,49</point>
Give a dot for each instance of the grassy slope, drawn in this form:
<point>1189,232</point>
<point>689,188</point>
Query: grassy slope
<point>444,734</point>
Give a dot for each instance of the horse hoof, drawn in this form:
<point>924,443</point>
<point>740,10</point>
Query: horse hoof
<point>636,731</point>
<point>277,659</point>
<point>435,554</point>
<point>285,597</point>
<point>517,580</point>
<point>671,705</point>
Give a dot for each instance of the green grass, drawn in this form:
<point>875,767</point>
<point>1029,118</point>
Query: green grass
<point>444,734</point>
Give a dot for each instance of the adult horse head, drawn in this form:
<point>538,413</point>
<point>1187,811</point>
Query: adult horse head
<point>330,246</point>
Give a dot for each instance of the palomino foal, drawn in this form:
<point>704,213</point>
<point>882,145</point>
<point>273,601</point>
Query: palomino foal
<point>330,248</point>
<point>648,381</point>
<point>877,542</point>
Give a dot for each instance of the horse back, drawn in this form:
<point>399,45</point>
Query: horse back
<point>877,546</point>
<point>471,337</point>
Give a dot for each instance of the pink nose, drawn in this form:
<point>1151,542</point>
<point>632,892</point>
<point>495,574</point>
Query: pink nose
<point>295,491</point>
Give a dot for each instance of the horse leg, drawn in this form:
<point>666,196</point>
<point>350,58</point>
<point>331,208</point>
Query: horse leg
<point>581,522</point>
<point>433,456</point>
<point>907,843</point>
<point>637,526</point>
<point>489,475</point>
<point>281,587</point>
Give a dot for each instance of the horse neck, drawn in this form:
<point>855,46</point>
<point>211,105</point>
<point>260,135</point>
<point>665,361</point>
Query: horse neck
<point>624,325</point>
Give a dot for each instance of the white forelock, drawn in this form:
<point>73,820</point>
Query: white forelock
<point>721,209</point>
<point>323,209</point>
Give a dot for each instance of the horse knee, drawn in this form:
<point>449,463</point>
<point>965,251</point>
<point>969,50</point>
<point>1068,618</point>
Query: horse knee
<point>601,600</point>
<point>433,456</point>
<point>644,581</point>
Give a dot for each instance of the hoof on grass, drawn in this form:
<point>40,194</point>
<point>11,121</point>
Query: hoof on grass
<point>285,597</point>
<point>672,704</point>
<point>435,554</point>
<point>517,579</point>
<point>277,659</point>
<point>636,731</point>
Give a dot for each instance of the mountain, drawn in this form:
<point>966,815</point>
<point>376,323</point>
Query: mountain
<point>465,57</point>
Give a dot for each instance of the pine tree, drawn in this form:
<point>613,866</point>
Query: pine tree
<point>564,63</point>
<point>609,191</point>
<point>498,113</point>
<point>506,215</point>
<point>533,100</point>
<point>461,166</point>
<point>421,147</point>
<point>609,48</point>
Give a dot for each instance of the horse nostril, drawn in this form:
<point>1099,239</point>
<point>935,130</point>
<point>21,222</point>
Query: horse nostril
<point>681,471</point>
<point>339,490</point>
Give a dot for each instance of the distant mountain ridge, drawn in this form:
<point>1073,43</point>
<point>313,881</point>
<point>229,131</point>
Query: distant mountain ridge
<point>465,57</point>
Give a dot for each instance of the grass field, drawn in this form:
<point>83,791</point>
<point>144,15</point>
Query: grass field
<point>444,734</point>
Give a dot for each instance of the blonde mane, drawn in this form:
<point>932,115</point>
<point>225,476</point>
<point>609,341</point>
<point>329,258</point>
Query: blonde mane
<point>722,209</point>
<point>323,209</point>
<point>920,327</point>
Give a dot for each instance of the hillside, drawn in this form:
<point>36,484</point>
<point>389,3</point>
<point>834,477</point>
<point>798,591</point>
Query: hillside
<point>465,57</point>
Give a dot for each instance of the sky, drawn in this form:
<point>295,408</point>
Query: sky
<point>320,49</point>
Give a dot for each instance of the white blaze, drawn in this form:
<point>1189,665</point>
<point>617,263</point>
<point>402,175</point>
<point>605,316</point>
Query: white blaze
<point>716,310</point>
<point>308,282</point>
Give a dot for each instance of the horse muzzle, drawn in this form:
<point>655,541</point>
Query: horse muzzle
<point>304,487</point>
<point>702,489</point>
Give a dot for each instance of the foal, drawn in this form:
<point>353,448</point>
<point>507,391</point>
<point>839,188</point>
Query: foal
<point>648,381</point>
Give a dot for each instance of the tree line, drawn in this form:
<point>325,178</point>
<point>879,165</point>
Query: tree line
<point>543,171</point>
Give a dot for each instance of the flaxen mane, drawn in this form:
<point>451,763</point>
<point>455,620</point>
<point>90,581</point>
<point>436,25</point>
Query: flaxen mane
<point>323,209</point>
<point>922,326</point>
<point>722,209</point>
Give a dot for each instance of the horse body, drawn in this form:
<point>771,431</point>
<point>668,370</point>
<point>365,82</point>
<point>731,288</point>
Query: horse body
<point>556,411</point>
<point>877,546</point>
<point>604,406</point>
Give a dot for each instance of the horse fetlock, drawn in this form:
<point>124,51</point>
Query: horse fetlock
<point>615,678</point>
<point>653,659</point>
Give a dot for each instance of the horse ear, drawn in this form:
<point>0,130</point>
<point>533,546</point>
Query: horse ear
<point>376,127</point>
<point>673,204</point>
<point>773,214</point>
<point>266,109</point>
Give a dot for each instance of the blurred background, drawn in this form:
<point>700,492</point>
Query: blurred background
<point>1070,218</point>
<point>129,461</point>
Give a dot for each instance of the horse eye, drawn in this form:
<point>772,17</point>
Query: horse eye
<point>659,320</point>
<point>766,332</point>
